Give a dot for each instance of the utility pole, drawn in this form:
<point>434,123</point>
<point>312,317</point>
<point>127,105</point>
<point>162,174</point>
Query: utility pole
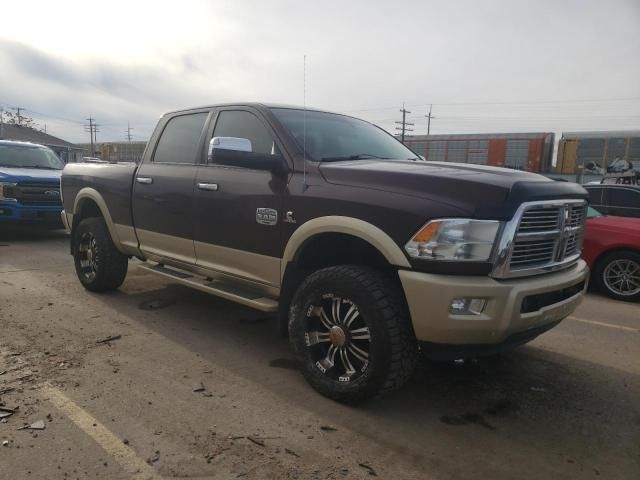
<point>404,125</point>
<point>128,132</point>
<point>429,117</point>
<point>18,115</point>
<point>92,128</point>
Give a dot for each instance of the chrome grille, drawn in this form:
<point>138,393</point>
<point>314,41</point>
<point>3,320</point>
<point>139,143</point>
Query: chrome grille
<point>542,237</point>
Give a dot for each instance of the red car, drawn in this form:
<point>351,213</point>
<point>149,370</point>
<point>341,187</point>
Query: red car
<point>612,250</point>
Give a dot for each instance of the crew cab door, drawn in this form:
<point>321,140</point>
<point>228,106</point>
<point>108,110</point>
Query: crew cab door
<point>163,198</point>
<point>238,209</point>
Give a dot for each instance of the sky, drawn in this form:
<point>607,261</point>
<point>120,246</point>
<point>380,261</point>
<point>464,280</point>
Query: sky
<point>484,66</point>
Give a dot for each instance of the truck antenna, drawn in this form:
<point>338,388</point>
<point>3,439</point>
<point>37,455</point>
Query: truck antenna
<point>304,123</point>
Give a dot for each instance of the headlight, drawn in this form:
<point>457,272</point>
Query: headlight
<point>454,239</point>
<point>7,191</point>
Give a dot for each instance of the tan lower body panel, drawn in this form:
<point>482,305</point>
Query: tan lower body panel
<point>429,297</point>
<point>128,239</point>
<point>246,265</point>
<point>168,246</point>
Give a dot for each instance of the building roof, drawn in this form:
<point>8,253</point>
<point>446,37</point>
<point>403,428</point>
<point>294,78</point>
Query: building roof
<point>27,134</point>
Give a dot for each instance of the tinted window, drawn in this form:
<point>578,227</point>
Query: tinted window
<point>180,138</point>
<point>623,197</point>
<point>245,125</point>
<point>595,195</point>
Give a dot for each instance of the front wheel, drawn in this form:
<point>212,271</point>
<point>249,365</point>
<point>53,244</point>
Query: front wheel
<point>617,274</point>
<point>351,333</point>
<point>99,265</point>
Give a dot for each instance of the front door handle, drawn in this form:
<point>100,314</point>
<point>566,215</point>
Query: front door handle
<point>146,180</point>
<point>208,186</point>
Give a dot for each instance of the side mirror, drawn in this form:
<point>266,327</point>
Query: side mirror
<point>237,152</point>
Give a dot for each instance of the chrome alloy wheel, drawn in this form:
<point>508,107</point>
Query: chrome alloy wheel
<point>623,277</point>
<point>338,338</point>
<point>88,250</point>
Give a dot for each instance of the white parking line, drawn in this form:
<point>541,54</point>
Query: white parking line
<point>125,456</point>
<point>603,324</point>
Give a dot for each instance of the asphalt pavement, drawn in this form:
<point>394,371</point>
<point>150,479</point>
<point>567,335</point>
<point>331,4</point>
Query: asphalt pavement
<point>159,381</point>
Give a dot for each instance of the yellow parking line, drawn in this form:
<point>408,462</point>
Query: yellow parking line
<point>125,456</point>
<point>603,324</point>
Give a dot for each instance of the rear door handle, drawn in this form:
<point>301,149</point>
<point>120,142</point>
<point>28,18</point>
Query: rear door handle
<point>147,180</point>
<point>208,186</point>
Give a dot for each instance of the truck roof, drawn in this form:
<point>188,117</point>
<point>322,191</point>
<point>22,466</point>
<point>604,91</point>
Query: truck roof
<point>258,105</point>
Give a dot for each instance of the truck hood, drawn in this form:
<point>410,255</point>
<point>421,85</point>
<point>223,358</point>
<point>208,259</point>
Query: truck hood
<point>28,174</point>
<point>478,190</point>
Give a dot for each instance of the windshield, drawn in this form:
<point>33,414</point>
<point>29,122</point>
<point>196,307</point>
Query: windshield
<point>29,157</point>
<point>332,137</point>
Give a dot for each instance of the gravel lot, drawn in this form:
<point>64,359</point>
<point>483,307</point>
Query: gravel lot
<point>565,406</point>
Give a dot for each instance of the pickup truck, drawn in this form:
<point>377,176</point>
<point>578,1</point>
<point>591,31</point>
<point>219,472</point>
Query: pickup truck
<point>368,255</point>
<point>29,184</point>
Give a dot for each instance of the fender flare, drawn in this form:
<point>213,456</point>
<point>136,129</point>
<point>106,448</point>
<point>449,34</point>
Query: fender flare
<point>347,225</point>
<point>93,194</point>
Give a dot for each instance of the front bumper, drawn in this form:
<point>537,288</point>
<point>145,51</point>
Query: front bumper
<point>513,306</point>
<point>15,212</point>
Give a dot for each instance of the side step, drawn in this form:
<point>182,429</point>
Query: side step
<point>230,292</point>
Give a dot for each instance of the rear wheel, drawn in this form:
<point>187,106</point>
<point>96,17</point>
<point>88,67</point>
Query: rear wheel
<point>99,265</point>
<point>617,274</point>
<point>351,333</point>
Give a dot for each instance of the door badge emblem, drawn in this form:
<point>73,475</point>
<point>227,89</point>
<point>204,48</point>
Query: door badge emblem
<point>267,216</point>
<point>288,217</point>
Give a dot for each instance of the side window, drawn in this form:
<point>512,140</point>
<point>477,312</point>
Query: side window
<point>243,124</point>
<point>595,196</point>
<point>624,197</point>
<point>180,139</point>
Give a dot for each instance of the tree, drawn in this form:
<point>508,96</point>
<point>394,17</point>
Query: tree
<point>15,116</point>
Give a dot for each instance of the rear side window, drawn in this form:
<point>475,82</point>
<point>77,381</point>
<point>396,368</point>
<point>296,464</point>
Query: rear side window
<point>624,197</point>
<point>180,139</point>
<point>595,196</point>
<point>241,124</point>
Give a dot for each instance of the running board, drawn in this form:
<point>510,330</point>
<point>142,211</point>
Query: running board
<point>229,292</point>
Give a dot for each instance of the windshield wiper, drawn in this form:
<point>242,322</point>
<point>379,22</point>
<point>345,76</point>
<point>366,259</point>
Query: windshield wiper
<point>360,156</point>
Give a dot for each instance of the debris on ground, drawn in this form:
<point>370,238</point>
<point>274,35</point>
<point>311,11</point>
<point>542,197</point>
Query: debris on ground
<point>108,339</point>
<point>537,389</point>
<point>369,469</point>
<point>328,428</point>
<point>291,452</point>
<point>6,390</point>
<point>255,440</point>
<point>5,443</point>
<point>199,388</point>
<point>39,425</point>
<point>156,304</point>
<point>155,458</point>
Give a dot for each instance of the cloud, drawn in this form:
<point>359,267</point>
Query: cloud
<point>470,59</point>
